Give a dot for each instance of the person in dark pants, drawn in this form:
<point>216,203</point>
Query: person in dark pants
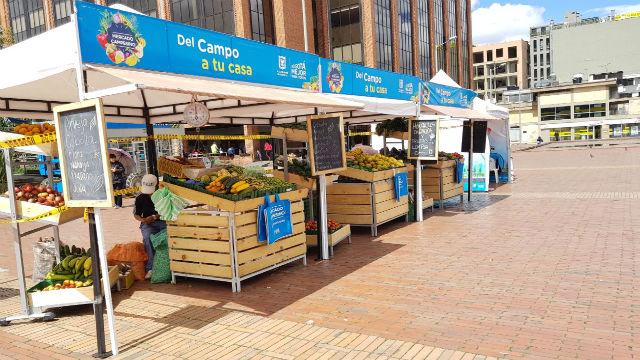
<point>150,223</point>
<point>117,174</point>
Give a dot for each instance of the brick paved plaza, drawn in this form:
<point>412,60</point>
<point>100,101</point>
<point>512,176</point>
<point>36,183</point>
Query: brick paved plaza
<point>544,268</point>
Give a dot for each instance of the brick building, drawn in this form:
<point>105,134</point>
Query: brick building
<point>407,36</point>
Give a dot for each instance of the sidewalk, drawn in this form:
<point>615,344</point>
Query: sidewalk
<point>176,327</point>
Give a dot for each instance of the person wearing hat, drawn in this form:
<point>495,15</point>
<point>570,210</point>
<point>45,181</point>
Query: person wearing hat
<point>150,223</point>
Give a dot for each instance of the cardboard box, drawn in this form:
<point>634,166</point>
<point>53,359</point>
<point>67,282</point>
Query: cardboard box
<point>126,281</point>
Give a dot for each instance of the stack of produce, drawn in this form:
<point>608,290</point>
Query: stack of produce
<point>233,184</point>
<point>34,129</point>
<point>74,270</point>
<point>40,194</point>
<point>442,156</point>
<point>388,126</point>
<point>359,160</point>
<point>311,226</point>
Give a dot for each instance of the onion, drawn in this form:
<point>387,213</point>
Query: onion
<point>58,198</point>
<point>32,200</point>
<point>51,197</point>
<point>19,194</point>
<point>41,188</point>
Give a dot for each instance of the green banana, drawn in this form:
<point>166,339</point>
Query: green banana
<point>65,262</point>
<point>88,282</point>
<point>80,263</point>
<point>87,263</point>
<point>57,277</point>
<point>72,263</point>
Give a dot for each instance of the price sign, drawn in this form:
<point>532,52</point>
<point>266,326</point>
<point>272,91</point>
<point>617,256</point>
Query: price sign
<point>326,144</point>
<point>423,139</point>
<point>82,149</point>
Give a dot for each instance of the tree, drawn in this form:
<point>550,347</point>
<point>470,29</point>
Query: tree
<point>6,37</point>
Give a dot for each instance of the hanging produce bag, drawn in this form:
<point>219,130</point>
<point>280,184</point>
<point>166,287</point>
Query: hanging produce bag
<point>278,220</point>
<point>459,170</point>
<point>400,185</point>
<point>262,227</point>
<point>167,204</point>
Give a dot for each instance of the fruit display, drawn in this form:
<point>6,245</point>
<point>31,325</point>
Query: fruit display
<point>34,129</point>
<point>234,184</point>
<point>442,156</point>
<point>311,226</point>
<point>74,270</point>
<point>40,194</point>
<point>360,160</point>
<point>298,167</point>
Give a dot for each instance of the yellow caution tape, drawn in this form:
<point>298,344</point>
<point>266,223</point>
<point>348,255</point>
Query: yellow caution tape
<point>55,211</point>
<point>126,191</point>
<point>28,140</point>
<point>365,133</point>
<point>190,137</point>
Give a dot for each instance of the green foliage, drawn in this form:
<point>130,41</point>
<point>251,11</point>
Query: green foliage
<point>6,37</point>
<point>388,126</point>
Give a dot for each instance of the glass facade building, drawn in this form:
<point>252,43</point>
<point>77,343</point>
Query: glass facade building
<point>147,7</point>
<point>217,15</point>
<point>452,49</point>
<point>27,18</point>
<point>424,57</point>
<point>464,42</point>
<point>346,30</point>
<point>406,45</point>
<point>439,35</point>
<point>383,38</point>
<point>261,12</point>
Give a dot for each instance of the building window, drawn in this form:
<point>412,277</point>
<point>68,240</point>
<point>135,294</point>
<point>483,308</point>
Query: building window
<point>548,58</point>
<point>548,44</point>
<point>346,31</point>
<point>147,7</point>
<point>452,46</point>
<point>499,53</point>
<point>261,12</point>
<point>217,15</point>
<point>512,52</point>
<point>535,60</point>
<point>621,108</point>
<point>555,113</point>
<point>535,45</point>
<point>26,17</point>
<point>541,60</point>
<point>478,57</point>
<point>406,52</point>
<point>489,55</point>
<point>465,43</point>
<point>439,36</point>
<point>384,40</point>
<point>62,10</point>
<point>535,74</point>
<point>423,39</point>
<point>479,71</point>
<point>589,111</point>
<point>560,134</point>
<point>480,85</point>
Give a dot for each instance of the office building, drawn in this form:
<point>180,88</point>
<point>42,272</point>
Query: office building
<point>409,36</point>
<point>590,110</point>
<point>500,67</point>
<point>596,48</point>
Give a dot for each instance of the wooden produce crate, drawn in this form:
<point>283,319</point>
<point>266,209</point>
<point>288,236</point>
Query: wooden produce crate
<point>370,176</point>
<point>399,135</point>
<point>26,210</point>
<point>309,183</point>
<point>365,204</point>
<point>48,149</point>
<point>166,166</point>
<point>281,132</point>
<point>221,244</point>
<point>440,184</point>
<point>334,238</point>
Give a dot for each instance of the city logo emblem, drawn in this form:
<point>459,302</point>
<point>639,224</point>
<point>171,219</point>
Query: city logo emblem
<point>120,38</point>
<point>409,88</point>
<point>335,77</point>
<point>282,62</point>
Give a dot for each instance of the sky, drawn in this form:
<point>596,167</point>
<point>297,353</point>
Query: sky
<point>498,21</point>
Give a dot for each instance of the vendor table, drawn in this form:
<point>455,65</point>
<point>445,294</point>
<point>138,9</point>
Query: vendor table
<point>217,241</point>
<point>439,183</point>
<point>370,203</point>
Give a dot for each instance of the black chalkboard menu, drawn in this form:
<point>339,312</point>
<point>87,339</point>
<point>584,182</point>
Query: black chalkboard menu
<point>423,139</point>
<point>326,144</point>
<point>82,149</point>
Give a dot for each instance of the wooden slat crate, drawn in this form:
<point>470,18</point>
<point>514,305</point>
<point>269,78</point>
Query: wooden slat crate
<point>370,176</point>
<point>365,204</point>
<point>309,183</point>
<point>26,210</point>
<point>334,238</point>
<point>281,132</point>
<point>439,182</point>
<point>223,245</point>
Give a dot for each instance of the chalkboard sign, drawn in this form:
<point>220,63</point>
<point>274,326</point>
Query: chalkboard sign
<point>423,139</point>
<point>82,149</point>
<point>326,144</point>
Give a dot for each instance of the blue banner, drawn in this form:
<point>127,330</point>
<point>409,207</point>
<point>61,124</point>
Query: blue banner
<point>443,95</point>
<point>114,37</point>
<point>400,185</point>
<point>350,79</point>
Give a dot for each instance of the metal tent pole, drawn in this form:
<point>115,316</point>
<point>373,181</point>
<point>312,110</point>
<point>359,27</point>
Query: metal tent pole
<point>470,169</point>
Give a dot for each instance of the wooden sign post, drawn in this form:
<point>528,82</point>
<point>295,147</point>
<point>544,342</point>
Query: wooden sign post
<point>86,177</point>
<point>423,145</point>
<point>327,155</point>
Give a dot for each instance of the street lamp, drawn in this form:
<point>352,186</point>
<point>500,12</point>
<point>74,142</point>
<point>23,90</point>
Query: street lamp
<point>439,45</point>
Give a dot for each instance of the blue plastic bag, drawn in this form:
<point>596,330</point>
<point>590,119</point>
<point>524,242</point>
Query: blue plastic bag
<point>400,185</point>
<point>262,226</point>
<point>278,220</point>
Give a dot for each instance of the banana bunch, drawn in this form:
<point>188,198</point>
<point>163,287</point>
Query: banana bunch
<point>228,184</point>
<point>72,267</point>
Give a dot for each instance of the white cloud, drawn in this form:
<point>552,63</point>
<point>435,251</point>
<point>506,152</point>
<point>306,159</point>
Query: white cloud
<point>505,22</point>
<point>474,3</point>
<point>619,9</point>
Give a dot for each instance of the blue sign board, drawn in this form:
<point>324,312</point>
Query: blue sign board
<point>400,185</point>
<point>443,95</point>
<point>350,79</point>
<point>113,37</point>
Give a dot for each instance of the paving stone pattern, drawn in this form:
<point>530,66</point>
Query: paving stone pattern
<point>545,268</point>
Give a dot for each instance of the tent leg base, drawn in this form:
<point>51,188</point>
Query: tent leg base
<point>45,316</point>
